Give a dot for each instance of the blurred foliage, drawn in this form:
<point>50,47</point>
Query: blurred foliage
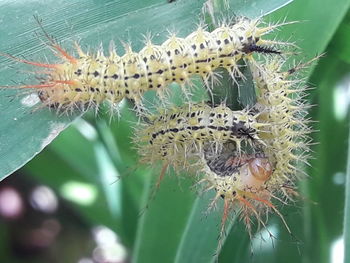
<point>96,153</point>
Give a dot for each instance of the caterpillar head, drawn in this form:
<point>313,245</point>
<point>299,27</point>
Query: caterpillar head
<point>243,182</point>
<point>239,175</point>
<point>259,170</point>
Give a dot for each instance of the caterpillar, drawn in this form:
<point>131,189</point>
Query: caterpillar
<point>179,134</point>
<point>87,80</point>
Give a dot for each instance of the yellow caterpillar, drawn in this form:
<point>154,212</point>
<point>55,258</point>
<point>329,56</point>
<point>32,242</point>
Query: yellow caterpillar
<point>89,80</point>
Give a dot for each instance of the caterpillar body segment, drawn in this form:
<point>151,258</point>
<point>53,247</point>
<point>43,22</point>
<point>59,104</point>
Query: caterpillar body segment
<point>177,135</point>
<point>288,136</point>
<point>87,80</point>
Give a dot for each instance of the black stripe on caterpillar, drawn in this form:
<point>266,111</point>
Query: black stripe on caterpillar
<point>177,135</point>
<point>88,80</point>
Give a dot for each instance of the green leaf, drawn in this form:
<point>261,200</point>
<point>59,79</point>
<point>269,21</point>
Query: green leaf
<point>24,134</point>
<point>163,219</point>
<point>321,226</point>
<point>315,26</point>
<point>347,211</point>
<point>200,240</point>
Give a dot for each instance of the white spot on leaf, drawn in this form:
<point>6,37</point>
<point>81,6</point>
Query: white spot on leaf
<point>30,100</point>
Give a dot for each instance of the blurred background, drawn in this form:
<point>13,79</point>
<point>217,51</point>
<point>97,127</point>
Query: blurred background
<point>85,198</point>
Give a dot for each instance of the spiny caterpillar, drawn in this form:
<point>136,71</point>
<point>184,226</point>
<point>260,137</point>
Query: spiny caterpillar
<point>88,80</point>
<point>179,134</point>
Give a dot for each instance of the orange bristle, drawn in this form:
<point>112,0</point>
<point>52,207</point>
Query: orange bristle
<point>38,64</point>
<point>64,54</point>
<point>39,86</point>
<point>68,82</point>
